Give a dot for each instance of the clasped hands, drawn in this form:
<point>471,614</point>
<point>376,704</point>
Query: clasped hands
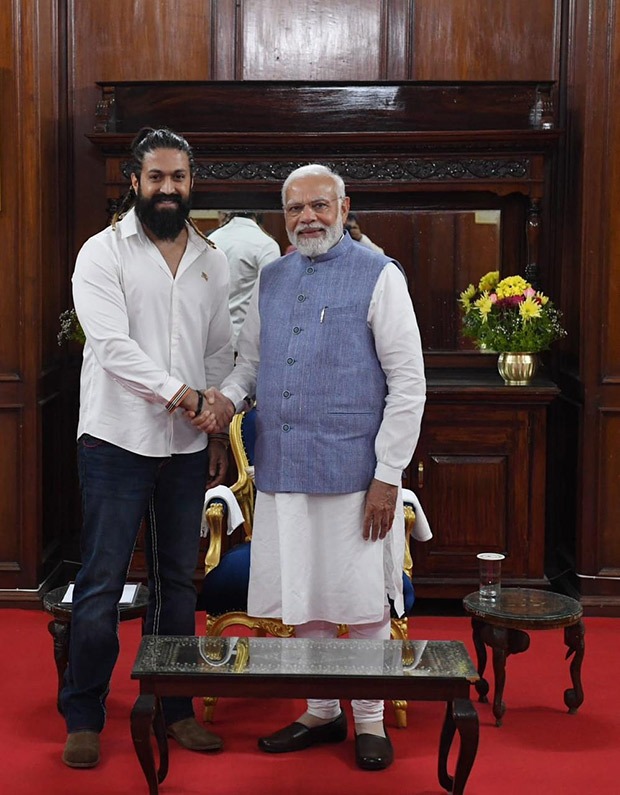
<point>216,413</point>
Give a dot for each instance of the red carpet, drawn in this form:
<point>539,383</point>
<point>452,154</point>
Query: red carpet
<point>540,749</point>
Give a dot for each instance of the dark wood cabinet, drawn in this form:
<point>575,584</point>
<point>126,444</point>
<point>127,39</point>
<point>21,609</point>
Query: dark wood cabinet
<point>479,471</point>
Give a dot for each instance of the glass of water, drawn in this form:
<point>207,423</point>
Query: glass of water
<point>490,569</point>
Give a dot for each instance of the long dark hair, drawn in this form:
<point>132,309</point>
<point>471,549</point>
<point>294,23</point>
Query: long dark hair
<point>146,141</point>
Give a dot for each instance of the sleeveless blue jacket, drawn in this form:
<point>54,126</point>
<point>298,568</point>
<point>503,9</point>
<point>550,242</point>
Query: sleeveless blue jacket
<point>320,389</point>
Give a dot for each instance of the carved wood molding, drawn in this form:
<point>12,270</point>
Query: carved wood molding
<point>416,169</point>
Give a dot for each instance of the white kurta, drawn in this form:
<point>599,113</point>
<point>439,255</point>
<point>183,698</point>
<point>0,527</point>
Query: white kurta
<point>310,563</point>
<point>309,559</point>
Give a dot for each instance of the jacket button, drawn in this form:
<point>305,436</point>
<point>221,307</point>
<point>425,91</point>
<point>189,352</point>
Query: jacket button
<point>286,394</point>
<point>290,360</point>
<point>310,269</point>
<point>301,298</point>
<point>286,428</point>
<point>297,330</point>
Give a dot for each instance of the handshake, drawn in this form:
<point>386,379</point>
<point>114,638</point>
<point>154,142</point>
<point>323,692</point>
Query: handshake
<point>209,410</point>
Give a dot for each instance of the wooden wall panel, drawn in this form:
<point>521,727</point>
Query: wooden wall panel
<point>486,40</point>
<point>11,520</point>
<point>116,40</point>
<point>288,40</point>
<point>611,267</point>
<point>9,304</point>
<point>608,519</point>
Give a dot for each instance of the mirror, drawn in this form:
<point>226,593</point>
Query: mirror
<point>440,250</point>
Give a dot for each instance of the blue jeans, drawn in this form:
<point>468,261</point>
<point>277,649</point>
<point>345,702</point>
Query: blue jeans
<point>119,489</point>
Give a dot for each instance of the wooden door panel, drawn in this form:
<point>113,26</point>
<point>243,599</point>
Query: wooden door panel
<point>471,473</point>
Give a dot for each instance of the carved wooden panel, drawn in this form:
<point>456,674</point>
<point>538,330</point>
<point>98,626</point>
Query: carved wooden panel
<point>486,40</point>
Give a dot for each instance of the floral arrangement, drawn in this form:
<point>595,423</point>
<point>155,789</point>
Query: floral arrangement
<point>70,328</point>
<point>509,315</point>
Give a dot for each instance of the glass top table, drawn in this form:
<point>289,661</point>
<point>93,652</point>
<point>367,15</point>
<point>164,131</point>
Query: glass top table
<point>169,656</point>
<point>501,624</point>
<point>300,668</point>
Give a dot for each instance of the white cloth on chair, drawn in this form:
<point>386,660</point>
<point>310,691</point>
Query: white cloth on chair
<point>421,529</point>
<point>234,515</point>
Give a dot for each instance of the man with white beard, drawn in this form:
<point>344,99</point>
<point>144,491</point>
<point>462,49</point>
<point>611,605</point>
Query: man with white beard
<point>332,349</point>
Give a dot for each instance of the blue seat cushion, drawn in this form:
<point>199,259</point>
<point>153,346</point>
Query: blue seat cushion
<point>225,588</point>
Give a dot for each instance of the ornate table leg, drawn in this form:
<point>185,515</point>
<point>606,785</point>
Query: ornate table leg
<point>60,632</point>
<point>574,638</point>
<point>461,715</point>
<point>147,713</point>
<point>503,642</point>
<point>482,686</point>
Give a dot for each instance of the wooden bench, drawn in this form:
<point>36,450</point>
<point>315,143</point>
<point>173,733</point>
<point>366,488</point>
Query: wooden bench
<point>300,668</point>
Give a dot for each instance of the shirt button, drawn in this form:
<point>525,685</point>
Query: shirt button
<point>310,269</point>
<point>301,298</point>
<point>286,428</point>
<point>290,360</point>
<point>296,330</point>
<point>286,394</point>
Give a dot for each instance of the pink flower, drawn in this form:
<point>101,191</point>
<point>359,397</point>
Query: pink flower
<point>529,293</point>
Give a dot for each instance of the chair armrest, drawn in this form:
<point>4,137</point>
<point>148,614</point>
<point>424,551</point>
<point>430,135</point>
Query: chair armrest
<point>409,523</point>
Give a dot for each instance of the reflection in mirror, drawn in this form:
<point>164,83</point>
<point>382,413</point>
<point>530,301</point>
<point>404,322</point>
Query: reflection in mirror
<point>444,250</point>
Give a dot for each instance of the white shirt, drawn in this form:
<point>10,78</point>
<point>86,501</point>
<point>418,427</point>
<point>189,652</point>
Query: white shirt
<point>248,249</point>
<point>366,241</point>
<point>397,341</point>
<point>147,334</point>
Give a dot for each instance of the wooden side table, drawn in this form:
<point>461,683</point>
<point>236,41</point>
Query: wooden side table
<point>501,624</point>
<point>60,625</point>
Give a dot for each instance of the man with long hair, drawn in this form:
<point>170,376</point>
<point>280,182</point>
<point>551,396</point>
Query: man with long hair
<point>151,294</point>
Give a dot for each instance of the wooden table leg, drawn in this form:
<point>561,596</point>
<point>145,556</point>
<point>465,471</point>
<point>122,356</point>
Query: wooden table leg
<point>482,686</point>
<point>147,713</point>
<point>60,631</point>
<point>462,716</point>
<point>503,642</point>
<point>574,638</point>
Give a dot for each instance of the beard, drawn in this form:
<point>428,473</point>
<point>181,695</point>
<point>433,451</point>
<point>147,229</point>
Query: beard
<point>319,245</point>
<point>165,223</point>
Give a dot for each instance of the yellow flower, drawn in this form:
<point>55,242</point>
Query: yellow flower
<point>484,306</point>
<point>512,285</point>
<point>542,298</point>
<point>489,281</point>
<point>466,296</point>
<point>529,309</point>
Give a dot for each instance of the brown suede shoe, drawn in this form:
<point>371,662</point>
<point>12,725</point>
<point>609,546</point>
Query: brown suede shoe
<point>191,735</point>
<point>81,749</point>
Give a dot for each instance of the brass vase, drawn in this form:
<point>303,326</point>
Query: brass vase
<point>517,369</point>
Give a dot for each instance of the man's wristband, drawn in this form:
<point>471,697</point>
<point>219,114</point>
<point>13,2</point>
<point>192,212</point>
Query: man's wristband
<point>201,400</point>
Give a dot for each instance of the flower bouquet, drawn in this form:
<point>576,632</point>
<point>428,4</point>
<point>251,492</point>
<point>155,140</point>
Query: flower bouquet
<point>509,317</point>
